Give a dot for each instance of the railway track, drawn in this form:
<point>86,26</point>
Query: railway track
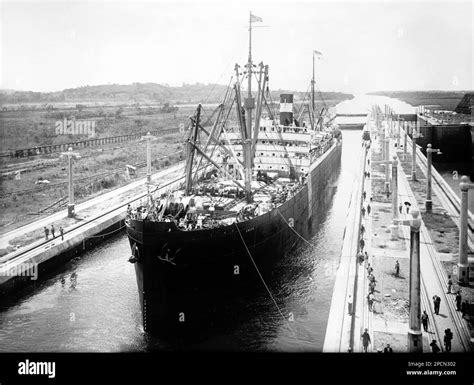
<point>53,148</point>
<point>91,179</point>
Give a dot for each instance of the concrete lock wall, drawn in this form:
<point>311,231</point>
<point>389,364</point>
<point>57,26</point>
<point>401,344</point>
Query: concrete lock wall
<point>454,141</point>
<point>61,252</point>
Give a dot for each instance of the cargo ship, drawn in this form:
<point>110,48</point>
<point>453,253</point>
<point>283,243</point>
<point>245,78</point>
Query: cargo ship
<point>254,181</point>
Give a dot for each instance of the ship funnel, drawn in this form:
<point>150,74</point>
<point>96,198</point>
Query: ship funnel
<point>286,109</point>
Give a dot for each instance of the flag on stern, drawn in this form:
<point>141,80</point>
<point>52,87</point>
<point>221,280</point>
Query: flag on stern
<point>254,19</point>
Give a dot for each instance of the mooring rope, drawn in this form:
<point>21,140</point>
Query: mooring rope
<point>260,275</point>
<point>292,228</point>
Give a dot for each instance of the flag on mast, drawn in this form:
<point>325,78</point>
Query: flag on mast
<point>254,19</point>
<point>318,54</point>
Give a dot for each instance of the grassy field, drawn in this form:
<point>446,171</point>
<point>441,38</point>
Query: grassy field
<point>100,168</point>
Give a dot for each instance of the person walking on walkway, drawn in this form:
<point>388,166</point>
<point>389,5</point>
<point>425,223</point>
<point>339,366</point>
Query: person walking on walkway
<point>362,230</point>
<point>424,320</point>
<point>46,232</point>
<point>349,304</point>
<point>436,303</point>
<point>397,268</point>
<point>448,336</point>
<point>458,300</point>
<point>365,340</point>
<point>364,194</point>
<point>366,258</point>
<point>369,209</point>
<point>371,287</point>
<point>362,244</point>
<point>363,211</point>
<point>369,269</point>
<point>464,308</point>
<point>61,231</point>
<point>368,174</point>
<point>368,162</point>
<point>370,301</point>
<point>52,230</point>
<point>450,284</point>
<point>434,347</point>
<point>400,208</point>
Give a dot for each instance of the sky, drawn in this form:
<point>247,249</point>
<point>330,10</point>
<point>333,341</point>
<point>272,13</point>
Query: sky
<point>366,45</point>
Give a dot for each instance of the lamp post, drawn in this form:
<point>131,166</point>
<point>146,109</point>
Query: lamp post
<point>429,151</point>
<point>148,137</point>
<point>415,341</point>
<point>414,136</point>
<point>463,265</point>
<point>70,156</point>
<point>405,139</point>
<point>394,164</point>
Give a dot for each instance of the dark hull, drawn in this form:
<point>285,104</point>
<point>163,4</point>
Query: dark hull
<point>178,293</point>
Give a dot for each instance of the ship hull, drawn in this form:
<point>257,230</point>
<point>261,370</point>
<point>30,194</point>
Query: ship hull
<point>178,272</point>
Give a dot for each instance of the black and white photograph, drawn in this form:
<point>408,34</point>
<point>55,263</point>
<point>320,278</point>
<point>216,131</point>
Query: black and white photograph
<point>237,191</point>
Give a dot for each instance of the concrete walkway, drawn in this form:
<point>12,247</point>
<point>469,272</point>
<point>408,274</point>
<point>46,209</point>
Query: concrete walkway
<point>434,284</point>
<point>92,207</point>
<point>388,323</point>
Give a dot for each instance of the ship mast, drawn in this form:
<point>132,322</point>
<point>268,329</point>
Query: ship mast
<point>249,105</point>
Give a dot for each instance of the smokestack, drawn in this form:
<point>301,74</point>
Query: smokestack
<point>286,109</point>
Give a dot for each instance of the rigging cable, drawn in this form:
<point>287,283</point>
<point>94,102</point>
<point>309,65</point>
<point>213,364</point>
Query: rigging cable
<point>260,275</point>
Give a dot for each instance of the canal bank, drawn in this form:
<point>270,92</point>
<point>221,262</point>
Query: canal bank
<point>99,220</point>
<point>385,316</point>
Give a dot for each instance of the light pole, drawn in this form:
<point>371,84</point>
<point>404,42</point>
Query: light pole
<point>394,164</point>
<point>429,151</point>
<point>415,341</point>
<point>414,136</point>
<point>70,156</point>
<point>405,140</point>
<point>387,157</point>
<point>148,137</point>
<point>463,265</point>
<point>398,136</point>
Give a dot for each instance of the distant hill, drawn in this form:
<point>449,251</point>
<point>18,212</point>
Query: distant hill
<point>140,92</point>
<point>446,100</point>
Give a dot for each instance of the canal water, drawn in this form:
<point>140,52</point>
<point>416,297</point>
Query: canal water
<point>92,305</point>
